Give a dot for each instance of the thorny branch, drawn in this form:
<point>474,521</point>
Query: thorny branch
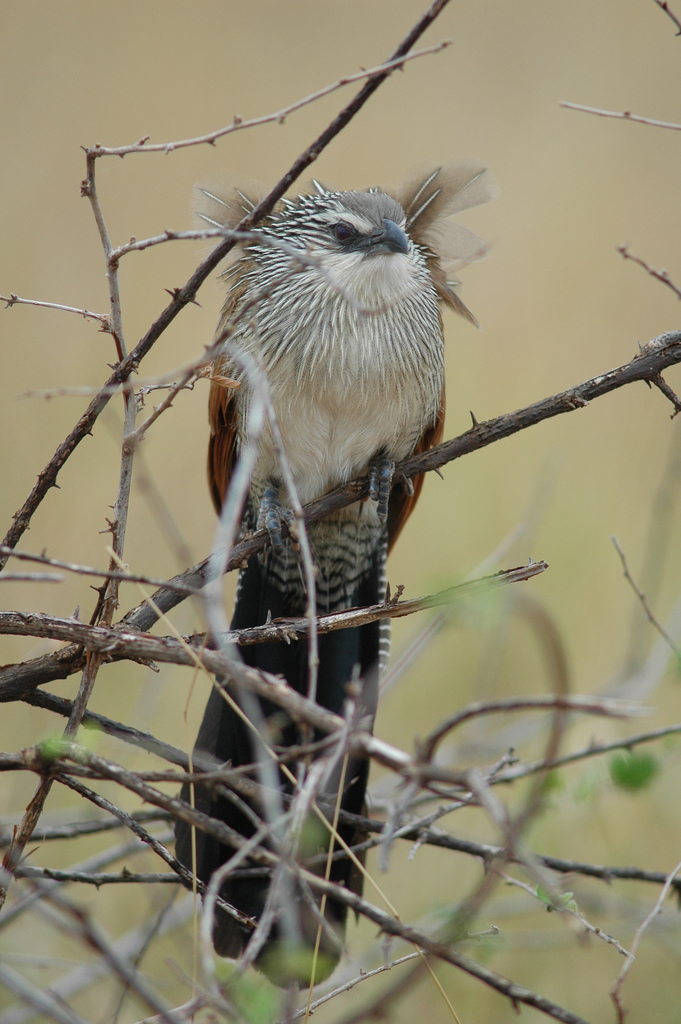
<point>417,767</point>
<point>128,364</point>
<point>664,6</point>
<point>660,275</point>
<point>435,946</point>
<point>240,124</point>
<point>100,641</point>
<point>654,357</point>
<point>120,642</point>
<point>187,293</point>
<point>108,594</point>
<point>12,299</point>
<point>88,570</point>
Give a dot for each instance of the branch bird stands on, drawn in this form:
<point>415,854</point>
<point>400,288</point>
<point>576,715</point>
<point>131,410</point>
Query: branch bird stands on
<point>332,326</point>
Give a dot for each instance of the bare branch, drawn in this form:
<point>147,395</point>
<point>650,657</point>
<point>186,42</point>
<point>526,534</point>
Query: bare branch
<point>590,705</point>
<point>84,828</point>
<point>644,601</point>
<point>625,115</point>
<point>53,1008</point>
<point>31,577</point>
<point>638,935</point>
<point>654,356</point>
<point>118,642</point>
<point>239,124</point>
<point>88,570</point>
<point>81,923</point>
<point>97,878</point>
<point>103,318</point>
<point>515,993</point>
<point>564,908</point>
<point>628,743</point>
<point>364,976</point>
<point>664,6</point>
<point>183,296</point>
<point>41,759</point>
<point>660,275</point>
<point>132,440</point>
<point>518,994</point>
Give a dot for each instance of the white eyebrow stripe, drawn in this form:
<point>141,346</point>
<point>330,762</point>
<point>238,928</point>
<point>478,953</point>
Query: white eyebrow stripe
<point>360,224</point>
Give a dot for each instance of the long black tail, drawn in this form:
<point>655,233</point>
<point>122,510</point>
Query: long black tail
<point>343,655</point>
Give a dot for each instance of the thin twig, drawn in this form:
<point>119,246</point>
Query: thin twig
<point>97,863</point>
<point>31,577</point>
<point>132,440</point>
<point>348,985</point>
<point>625,115</point>
<point>85,828</point>
<point>103,318</point>
<point>88,570</point>
<point>520,771</point>
<point>660,275</point>
<point>85,974</point>
<point>569,702</point>
<point>512,991</point>
<point>664,6</point>
<point>644,601</point>
<point>97,878</point>
<point>81,923</point>
<point>638,935</point>
<point>108,595</point>
<point>239,124</point>
<point>565,908</point>
<point>43,1002</point>
<point>151,841</point>
<point>358,742</point>
<point>661,384</point>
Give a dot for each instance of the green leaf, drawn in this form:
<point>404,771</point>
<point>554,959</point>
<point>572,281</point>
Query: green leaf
<point>51,749</point>
<point>256,1002</point>
<point>633,770</point>
<point>313,837</point>
<point>553,782</point>
<point>285,962</point>
<point>562,901</point>
<point>544,895</point>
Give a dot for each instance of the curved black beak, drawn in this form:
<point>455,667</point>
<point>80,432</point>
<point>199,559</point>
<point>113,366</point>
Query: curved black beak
<point>391,239</point>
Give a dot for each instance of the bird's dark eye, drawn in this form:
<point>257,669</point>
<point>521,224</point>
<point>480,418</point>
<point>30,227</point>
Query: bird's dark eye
<point>343,232</point>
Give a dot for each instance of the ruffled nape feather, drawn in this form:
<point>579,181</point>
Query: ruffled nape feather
<point>429,202</point>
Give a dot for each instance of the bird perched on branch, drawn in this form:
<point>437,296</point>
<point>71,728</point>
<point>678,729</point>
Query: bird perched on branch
<point>336,297</point>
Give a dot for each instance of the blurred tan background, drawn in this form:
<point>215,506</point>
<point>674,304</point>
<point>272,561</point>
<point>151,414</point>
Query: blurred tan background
<point>557,305</point>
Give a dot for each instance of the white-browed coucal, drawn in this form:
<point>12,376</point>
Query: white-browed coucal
<point>337,298</point>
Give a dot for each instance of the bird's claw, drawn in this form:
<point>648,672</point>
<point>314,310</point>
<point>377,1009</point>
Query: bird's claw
<point>380,481</point>
<point>273,515</point>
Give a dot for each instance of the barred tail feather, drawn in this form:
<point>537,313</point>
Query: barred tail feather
<point>343,655</point>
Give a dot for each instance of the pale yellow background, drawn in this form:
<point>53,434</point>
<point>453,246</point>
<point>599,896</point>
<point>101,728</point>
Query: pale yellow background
<point>557,305</point>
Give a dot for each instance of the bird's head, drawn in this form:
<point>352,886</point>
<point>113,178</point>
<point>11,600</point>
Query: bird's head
<point>375,248</point>
<point>367,223</point>
<point>354,242</point>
